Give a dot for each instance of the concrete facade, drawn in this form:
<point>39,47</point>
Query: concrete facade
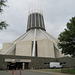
<point>45,48</point>
<point>36,42</point>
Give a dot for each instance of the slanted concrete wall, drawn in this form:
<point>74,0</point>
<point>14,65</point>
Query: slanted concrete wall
<point>58,53</point>
<point>5,47</point>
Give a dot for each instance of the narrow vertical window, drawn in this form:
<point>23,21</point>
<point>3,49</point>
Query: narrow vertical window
<point>32,48</point>
<point>36,49</point>
<point>37,20</point>
<point>33,20</point>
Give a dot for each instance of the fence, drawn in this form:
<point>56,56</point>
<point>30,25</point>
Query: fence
<point>68,70</point>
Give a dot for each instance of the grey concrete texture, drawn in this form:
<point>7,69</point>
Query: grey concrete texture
<point>4,73</point>
<point>22,73</point>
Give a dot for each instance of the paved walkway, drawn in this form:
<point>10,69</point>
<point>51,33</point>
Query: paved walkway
<point>22,73</point>
<point>31,72</point>
<point>53,73</point>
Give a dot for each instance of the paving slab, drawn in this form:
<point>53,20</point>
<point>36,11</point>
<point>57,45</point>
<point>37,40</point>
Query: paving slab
<point>22,73</point>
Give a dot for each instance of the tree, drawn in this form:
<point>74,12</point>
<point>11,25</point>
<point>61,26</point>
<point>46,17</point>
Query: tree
<point>67,39</point>
<point>3,24</point>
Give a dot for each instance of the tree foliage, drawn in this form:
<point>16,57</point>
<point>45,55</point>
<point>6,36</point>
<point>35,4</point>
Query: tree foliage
<point>3,24</point>
<point>2,3</point>
<point>67,38</point>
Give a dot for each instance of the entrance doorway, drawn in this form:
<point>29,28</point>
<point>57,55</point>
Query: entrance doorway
<point>17,65</point>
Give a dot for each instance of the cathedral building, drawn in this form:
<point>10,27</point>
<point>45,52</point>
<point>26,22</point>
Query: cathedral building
<point>36,42</point>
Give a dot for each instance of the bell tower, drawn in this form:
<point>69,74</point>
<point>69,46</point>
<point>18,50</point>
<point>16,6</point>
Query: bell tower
<point>35,21</point>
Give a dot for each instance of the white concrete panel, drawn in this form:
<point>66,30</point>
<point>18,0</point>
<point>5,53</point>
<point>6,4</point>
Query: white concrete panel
<point>40,35</point>
<point>23,48</point>
<point>30,36</point>
<point>58,53</point>
<point>45,48</point>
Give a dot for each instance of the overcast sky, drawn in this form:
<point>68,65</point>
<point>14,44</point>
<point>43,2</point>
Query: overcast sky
<point>56,14</point>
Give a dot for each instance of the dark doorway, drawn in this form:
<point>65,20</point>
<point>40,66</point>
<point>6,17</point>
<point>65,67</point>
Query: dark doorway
<point>19,65</point>
<point>16,65</point>
<point>26,65</point>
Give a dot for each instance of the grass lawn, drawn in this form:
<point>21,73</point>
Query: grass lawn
<point>70,71</point>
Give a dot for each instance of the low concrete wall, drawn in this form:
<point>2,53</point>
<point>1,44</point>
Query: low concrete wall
<point>37,62</point>
<point>69,61</point>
